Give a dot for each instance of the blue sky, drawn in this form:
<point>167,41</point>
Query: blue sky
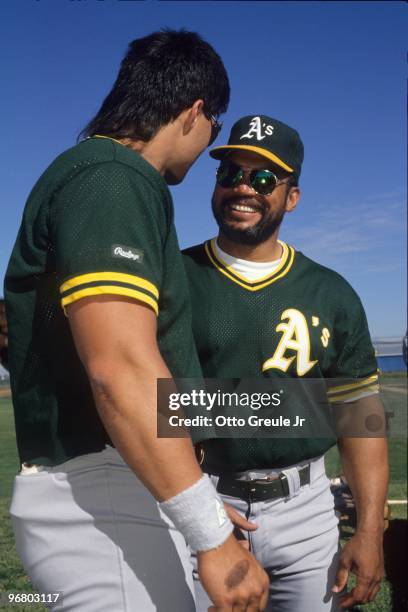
<point>336,71</point>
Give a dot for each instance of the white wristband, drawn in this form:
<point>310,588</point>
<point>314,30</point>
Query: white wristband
<point>199,513</point>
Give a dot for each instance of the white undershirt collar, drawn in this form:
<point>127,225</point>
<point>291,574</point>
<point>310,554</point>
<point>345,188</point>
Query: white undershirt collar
<point>251,270</point>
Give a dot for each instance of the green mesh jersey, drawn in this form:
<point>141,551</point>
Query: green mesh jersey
<point>303,320</point>
<point>98,221</point>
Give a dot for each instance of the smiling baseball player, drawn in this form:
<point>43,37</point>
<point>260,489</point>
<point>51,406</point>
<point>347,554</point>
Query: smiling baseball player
<point>263,309</point>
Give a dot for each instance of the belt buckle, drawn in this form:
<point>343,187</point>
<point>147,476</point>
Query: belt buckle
<point>251,489</point>
<point>267,478</point>
<point>263,480</point>
<point>283,479</point>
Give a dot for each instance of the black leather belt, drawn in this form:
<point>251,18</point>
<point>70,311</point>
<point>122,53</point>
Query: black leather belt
<point>260,489</point>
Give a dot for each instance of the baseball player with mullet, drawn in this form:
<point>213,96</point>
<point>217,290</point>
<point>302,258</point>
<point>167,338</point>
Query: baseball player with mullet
<point>263,309</point>
<point>98,309</point>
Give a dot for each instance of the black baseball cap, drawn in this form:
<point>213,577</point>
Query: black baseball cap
<point>268,137</point>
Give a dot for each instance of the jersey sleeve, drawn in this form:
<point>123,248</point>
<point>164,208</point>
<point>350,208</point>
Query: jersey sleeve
<point>108,232</point>
<point>353,373</point>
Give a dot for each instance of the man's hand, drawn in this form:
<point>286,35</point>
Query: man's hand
<point>233,578</point>
<point>365,465</point>
<point>241,524</point>
<point>363,556</point>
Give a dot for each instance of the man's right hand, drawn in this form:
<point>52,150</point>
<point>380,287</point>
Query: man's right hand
<point>233,578</point>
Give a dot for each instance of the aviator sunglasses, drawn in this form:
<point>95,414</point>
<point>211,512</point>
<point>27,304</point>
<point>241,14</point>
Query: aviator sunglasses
<point>262,181</point>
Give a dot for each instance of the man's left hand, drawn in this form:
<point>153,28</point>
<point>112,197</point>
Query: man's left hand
<point>363,556</point>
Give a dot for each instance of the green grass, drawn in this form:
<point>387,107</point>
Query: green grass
<point>8,451</point>
<point>12,575</point>
<point>396,404</point>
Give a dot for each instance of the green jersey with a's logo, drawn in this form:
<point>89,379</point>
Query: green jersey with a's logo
<point>301,321</point>
<point>98,222</point>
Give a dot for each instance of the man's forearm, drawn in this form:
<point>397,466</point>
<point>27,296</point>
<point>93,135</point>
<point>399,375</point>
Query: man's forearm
<point>116,342</point>
<point>126,401</point>
<point>365,465</point>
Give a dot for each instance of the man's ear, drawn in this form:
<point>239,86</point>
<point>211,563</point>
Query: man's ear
<point>292,199</point>
<point>191,115</point>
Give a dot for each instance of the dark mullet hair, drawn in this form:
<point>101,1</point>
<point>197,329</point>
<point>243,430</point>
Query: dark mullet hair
<point>161,75</point>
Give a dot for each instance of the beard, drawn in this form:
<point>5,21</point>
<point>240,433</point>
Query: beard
<point>253,234</point>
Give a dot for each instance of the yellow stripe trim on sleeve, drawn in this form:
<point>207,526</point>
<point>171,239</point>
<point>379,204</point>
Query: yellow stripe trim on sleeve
<point>110,290</point>
<point>370,390</point>
<point>130,279</point>
<point>360,383</point>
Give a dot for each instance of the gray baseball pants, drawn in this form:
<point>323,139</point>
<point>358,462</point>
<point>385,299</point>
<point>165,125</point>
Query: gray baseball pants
<point>90,529</point>
<point>297,542</point>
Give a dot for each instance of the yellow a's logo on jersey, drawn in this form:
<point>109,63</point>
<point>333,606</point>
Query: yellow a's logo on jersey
<point>295,337</point>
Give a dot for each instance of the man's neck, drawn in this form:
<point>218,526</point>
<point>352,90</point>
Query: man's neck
<point>153,154</point>
<point>270,250</point>
<point>159,150</point>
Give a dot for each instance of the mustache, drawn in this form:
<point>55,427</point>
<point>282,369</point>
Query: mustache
<point>248,201</point>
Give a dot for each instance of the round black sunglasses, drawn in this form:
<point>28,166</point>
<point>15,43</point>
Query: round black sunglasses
<point>263,181</point>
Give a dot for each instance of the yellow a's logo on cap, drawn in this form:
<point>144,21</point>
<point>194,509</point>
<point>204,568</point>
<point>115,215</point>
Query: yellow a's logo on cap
<point>255,129</point>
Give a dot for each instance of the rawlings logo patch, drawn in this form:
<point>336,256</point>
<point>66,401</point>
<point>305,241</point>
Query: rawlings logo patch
<point>119,250</point>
